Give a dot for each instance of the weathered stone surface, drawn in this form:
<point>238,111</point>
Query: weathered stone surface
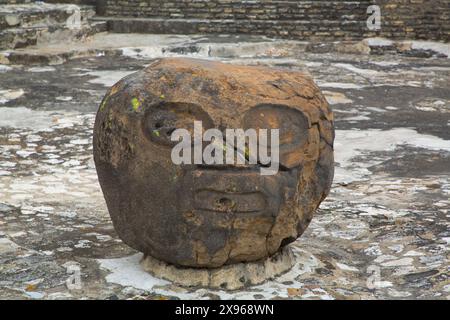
<point>386,204</point>
<point>230,277</point>
<point>180,214</point>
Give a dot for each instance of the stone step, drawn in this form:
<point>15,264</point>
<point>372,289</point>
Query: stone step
<point>14,38</point>
<point>298,29</point>
<point>43,14</point>
<point>37,23</point>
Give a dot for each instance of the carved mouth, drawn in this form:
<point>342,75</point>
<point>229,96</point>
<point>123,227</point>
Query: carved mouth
<point>255,168</point>
<point>213,200</point>
<point>233,191</point>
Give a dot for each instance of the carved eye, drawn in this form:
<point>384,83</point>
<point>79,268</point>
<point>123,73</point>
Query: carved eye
<point>163,119</point>
<point>293,129</point>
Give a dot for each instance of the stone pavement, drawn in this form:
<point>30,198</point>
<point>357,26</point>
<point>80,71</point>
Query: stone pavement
<point>383,232</point>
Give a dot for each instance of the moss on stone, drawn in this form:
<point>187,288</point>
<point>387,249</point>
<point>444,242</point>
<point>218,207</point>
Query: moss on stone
<point>135,104</point>
<point>105,100</point>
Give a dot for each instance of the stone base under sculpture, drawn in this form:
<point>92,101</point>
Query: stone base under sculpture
<point>230,277</point>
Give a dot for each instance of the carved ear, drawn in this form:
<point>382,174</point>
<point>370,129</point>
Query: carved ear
<point>162,119</point>
<point>293,128</point>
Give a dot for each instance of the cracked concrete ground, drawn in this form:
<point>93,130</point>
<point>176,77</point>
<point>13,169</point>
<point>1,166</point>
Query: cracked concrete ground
<point>383,232</point>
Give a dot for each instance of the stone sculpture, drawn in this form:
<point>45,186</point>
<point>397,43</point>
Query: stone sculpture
<point>202,216</point>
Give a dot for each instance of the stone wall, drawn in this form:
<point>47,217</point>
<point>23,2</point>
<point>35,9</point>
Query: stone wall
<point>88,2</point>
<point>233,9</point>
<point>286,19</point>
<point>80,2</point>
<point>415,19</point>
<point>304,20</point>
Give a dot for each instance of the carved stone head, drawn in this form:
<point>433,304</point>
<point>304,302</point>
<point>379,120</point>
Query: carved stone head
<point>211,215</point>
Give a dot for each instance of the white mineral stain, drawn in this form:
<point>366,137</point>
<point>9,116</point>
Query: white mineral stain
<point>313,64</point>
<point>383,284</point>
<point>398,294</point>
<point>35,295</point>
<point>83,244</point>
<point>53,161</point>
<point>339,85</point>
<point>345,267</point>
<point>352,143</point>
<point>413,253</point>
<point>336,97</point>
<point>24,153</point>
<point>357,118</point>
<point>383,258</point>
<point>21,117</point>
<point>375,109</point>
<point>363,72</point>
<point>64,98</point>
<point>159,51</point>
<point>7,246</point>
<point>143,52</point>
<point>443,48</point>
<point>398,263</point>
<point>378,42</point>
<point>211,50</point>
<point>80,141</point>
<point>385,63</point>
<point>373,250</point>
<point>432,105</point>
<point>27,212</point>
<point>127,272</point>
<point>108,77</point>
<point>432,68</point>
<point>7,164</point>
<point>397,248</point>
<point>41,69</point>
<point>404,270</point>
<point>8,95</point>
<point>33,138</point>
<point>5,68</point>
<point>433,261</point>
<point>56,186</point>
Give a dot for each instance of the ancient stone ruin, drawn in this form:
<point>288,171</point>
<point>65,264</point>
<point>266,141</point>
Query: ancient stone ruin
<point>209,216</point>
